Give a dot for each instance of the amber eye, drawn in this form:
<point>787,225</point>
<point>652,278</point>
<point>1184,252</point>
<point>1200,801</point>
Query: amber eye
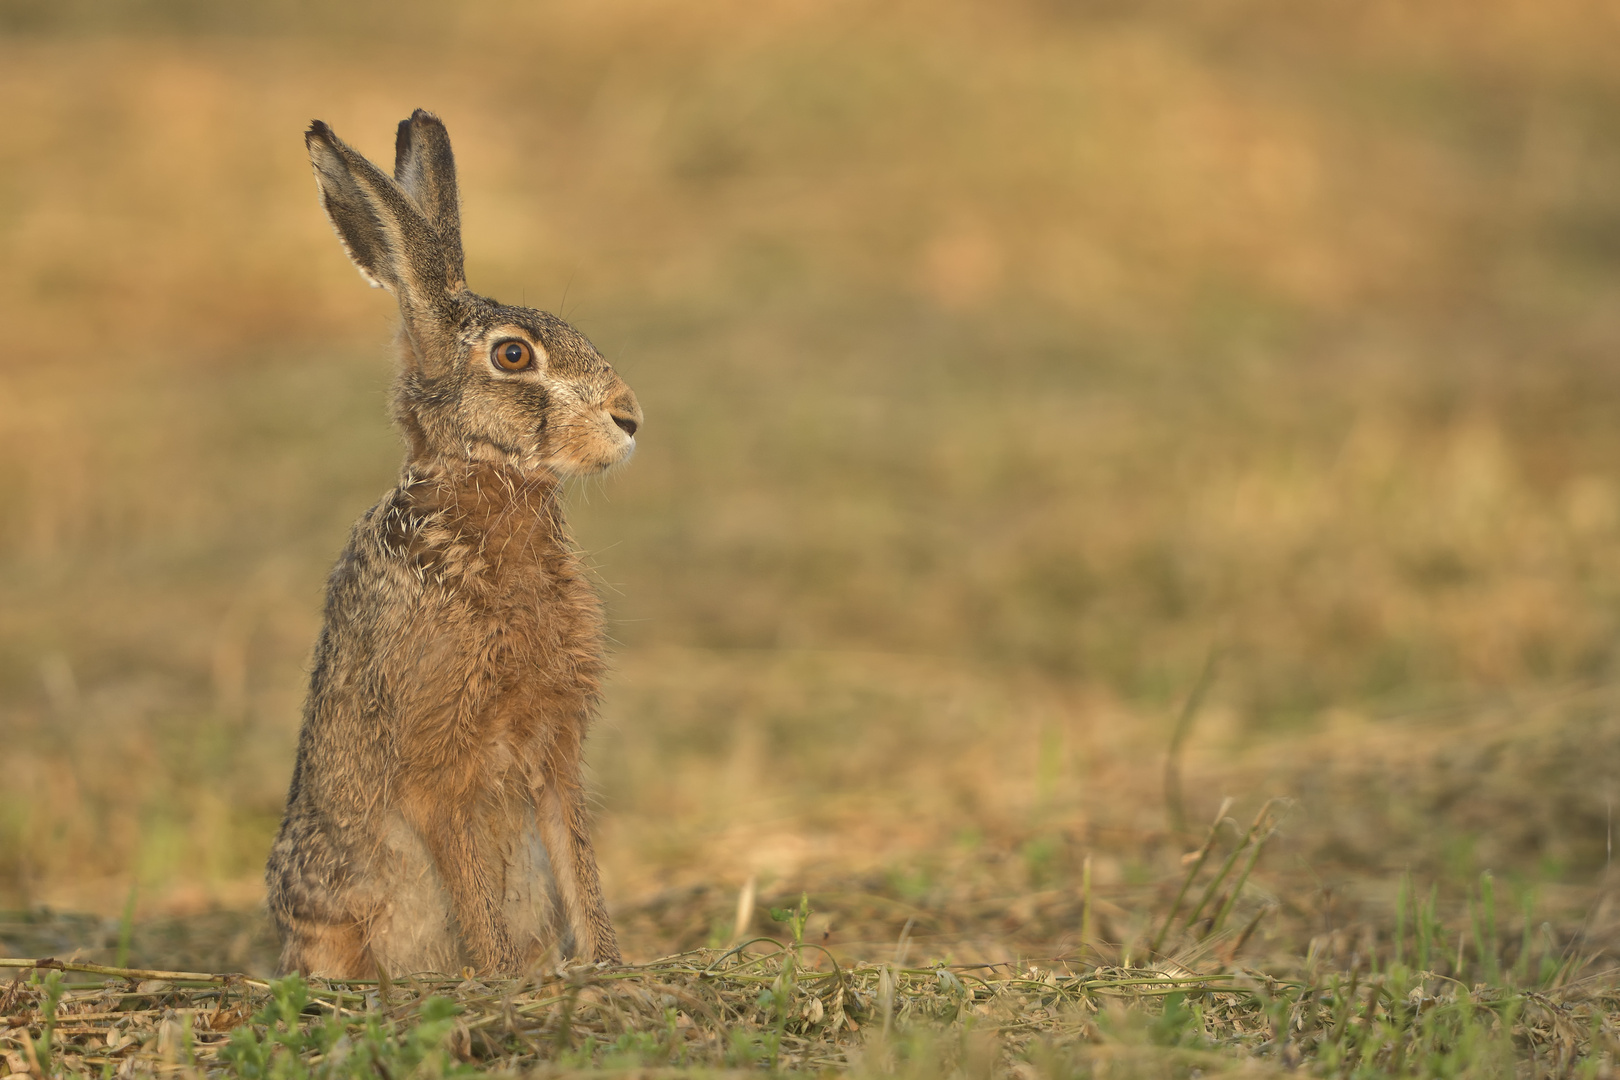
<point>512,355</point>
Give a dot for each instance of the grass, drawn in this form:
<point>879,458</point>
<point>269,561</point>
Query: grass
<point>1062,419</point>
<point>1409,1006</point>
<point>750,1011</point>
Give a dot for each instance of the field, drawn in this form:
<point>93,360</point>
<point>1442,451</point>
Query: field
<point>1069,424</point>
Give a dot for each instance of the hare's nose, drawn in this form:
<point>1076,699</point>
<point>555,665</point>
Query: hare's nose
<point>622,405</point>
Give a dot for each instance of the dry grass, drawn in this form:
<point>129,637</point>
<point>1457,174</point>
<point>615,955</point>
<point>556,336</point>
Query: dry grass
<point>743,1010</point>
<point>1508,1003</point>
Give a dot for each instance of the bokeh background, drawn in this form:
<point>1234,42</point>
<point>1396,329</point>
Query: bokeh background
<point>1006,367</point>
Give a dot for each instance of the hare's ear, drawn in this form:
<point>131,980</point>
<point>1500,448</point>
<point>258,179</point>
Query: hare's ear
<point>386,235</point>
<point>425,168</point>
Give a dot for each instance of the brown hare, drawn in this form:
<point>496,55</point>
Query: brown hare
<point>437,816</point>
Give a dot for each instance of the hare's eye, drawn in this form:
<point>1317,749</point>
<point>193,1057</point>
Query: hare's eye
<point>512,355</point>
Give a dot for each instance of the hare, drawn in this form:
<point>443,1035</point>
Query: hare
<point>437,816</point>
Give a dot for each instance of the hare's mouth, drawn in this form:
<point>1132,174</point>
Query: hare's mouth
<point>592,455</point>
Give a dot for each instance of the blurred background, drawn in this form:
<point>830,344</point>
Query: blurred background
<point>1006,367</point>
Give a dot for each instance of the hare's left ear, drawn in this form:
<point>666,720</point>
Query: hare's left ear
<point>383,230</point>
<point>425,168</point>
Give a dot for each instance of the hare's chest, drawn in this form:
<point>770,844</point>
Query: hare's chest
<point>519,643</point>
<point>495,686</point>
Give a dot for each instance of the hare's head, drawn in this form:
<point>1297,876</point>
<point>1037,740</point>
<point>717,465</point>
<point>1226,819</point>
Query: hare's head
<point>481,380</point>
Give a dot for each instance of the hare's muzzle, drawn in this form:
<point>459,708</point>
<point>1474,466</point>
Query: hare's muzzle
<point>625,410</point>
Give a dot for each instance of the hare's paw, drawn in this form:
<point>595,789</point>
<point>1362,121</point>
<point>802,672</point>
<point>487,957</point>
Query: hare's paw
<point>332,950</point>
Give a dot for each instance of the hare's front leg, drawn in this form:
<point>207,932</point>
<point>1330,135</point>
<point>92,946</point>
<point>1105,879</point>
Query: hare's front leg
<point>312,900</point>
<point>565,825</point>
<point>469,858</point>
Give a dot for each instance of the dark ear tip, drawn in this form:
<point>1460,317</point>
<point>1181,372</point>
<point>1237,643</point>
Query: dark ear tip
<point>318,131</point>
<point>402,137</point>
<point>402,143</point>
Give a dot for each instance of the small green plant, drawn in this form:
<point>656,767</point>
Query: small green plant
<point>126,927</point>
<point>778,1000</point>
<point>51,985</point>
<point>795,918</point>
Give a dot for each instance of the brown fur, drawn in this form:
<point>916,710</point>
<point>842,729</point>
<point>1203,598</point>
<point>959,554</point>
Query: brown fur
<point>437,813</point>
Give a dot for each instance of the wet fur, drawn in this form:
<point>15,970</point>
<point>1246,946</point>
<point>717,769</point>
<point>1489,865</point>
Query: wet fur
<point>437,815</point>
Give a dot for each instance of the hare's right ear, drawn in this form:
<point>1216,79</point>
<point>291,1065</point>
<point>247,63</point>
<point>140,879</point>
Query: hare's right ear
<point>426,169</point>
<point>385,233</point>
